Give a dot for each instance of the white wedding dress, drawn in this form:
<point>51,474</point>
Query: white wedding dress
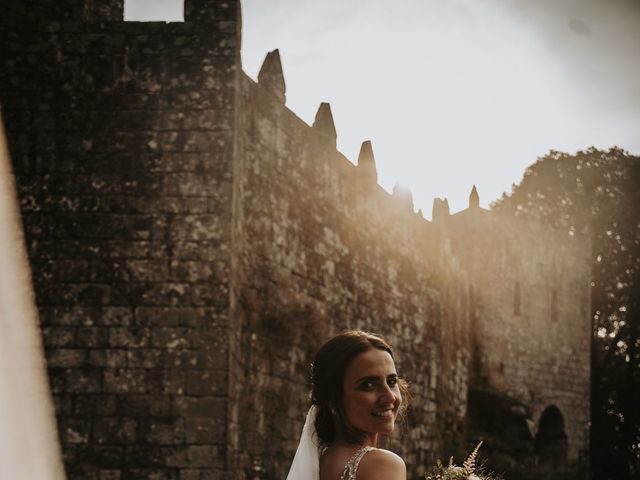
<point>306,462</point>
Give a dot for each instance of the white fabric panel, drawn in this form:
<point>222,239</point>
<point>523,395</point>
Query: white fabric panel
<point>29,448</point>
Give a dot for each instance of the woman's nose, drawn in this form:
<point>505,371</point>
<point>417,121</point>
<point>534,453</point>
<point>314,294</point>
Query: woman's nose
<point>387,395</point>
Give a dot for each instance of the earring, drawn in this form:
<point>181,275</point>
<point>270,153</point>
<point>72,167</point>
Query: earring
<point>333,411</point>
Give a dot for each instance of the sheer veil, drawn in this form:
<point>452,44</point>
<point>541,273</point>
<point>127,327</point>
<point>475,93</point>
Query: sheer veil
<point>306,463</point>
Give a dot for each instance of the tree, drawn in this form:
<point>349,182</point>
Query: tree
<point>597,193</point>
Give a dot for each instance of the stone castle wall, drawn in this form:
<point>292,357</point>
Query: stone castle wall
<point>533,345</point>
<point>193,242</point>
<point>322,248</point>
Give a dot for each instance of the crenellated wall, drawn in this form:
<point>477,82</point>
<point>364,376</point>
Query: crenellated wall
<point>193,242</point>
<point>320,248</point>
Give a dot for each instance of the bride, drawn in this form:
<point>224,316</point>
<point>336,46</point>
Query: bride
<point>356,397</point>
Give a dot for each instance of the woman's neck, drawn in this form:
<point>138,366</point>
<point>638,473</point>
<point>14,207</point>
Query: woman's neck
<point>369,440</point>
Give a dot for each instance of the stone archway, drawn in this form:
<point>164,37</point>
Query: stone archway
<point>551,442</point>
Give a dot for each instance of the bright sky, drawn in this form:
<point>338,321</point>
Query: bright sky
<point>455,92</point>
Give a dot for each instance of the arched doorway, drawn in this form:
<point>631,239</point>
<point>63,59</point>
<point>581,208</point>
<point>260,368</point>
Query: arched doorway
<point>551,441</point>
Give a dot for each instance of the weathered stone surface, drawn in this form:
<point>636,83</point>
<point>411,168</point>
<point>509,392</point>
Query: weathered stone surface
<point>192,242</point>
<point>524,350</point>
<point>323,251</point>
<point>121,136</point>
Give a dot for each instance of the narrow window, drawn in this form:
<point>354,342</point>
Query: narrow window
<point>516,299</point>
<point>554,306</point>
<point>154,11</point>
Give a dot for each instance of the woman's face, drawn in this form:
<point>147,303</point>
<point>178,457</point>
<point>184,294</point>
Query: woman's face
<point>371,394</point>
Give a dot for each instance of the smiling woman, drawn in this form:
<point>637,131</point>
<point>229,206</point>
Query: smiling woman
<point>357,396</point>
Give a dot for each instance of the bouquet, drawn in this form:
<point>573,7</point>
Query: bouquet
<point>468,470</point>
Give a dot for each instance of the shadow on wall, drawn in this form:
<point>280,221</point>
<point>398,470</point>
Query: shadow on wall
<point>551,441</point>
<point>505,426</point>
<point>512,442</point>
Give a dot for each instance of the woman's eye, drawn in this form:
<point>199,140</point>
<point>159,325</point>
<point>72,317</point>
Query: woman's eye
<point>366,385</point>
<point>392,382</point>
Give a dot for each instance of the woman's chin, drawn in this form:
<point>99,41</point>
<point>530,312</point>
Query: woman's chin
<point>387,429</point>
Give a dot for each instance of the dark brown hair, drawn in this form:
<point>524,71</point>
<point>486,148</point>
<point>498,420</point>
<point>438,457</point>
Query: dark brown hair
<point>327,374</point>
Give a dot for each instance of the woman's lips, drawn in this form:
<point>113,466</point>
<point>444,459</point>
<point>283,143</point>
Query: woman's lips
<point>383,413</point>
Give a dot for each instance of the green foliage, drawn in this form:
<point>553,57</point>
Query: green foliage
<point>597,193</point>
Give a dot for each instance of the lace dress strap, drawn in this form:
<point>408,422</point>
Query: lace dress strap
<point>351,468</point>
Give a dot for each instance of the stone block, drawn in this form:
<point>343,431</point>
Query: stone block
<point>92,337</point>
<point>146,270</point>
<point>198,228</point>
<point>127,337</point>
<point>107,358</point>
<point>152,474</point>
<point>187,249</point>
<point>201,474</point>
<point>63,404</point>
<point>144,358</point>
<point>156,456</point>
<point>115,431</point>
<point>170,337</point>
<point>208,339</point>
<point>75,380</point>
<point>125,380</point>
<point>98,457</point>
<point>170,316</point>
<point>91,295</point>
<point>61,358</point>
<point>163,431</point>
<point>59,336</point>
<point>204,430</point>
<point>199,406</point>
<point>174,382</point>
<point>191,271</point>
<point>70,270</point>
<point>146,406</point>
<point>95,405</point>
<point>134,248</point>
<point>204,456</point>
<point>110,475</point>
<point>205,382</point>
<point>74,430</point>
<point>144,456</point>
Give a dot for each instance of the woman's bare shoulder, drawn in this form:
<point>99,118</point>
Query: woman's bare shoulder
<point>380,464</point>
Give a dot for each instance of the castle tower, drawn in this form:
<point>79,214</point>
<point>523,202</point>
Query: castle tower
<point>521,342</point>
<point>121,136</point>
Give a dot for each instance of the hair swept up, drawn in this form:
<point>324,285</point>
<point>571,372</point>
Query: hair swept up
<point>327,374</point>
